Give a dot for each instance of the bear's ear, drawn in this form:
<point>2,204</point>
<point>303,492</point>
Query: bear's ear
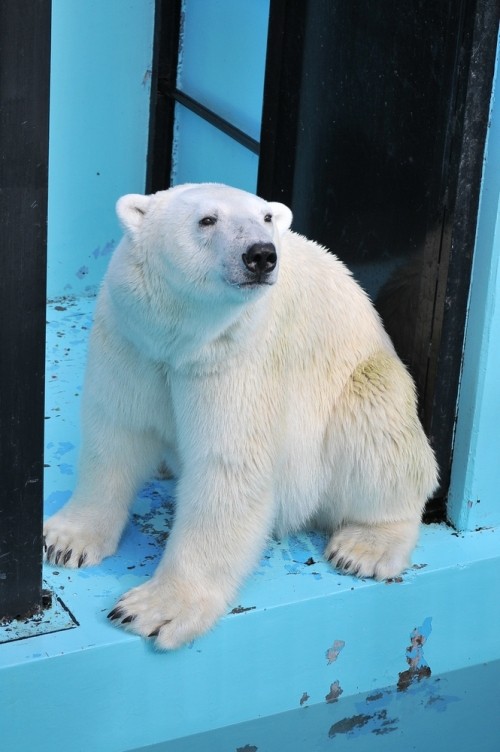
<point>282,216</point>
<point>131,210</point>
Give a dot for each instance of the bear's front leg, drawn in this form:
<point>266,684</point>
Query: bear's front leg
<point>113,464</point>
<point>224,509</point>
<point>221,525</point>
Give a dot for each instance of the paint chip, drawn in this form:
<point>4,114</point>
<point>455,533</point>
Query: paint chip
<point>333,653</point>
<point>241,609</point>
<point>378,724</point>
<point>334,693</point>
<point>82,272</point>
<point>418,667</point>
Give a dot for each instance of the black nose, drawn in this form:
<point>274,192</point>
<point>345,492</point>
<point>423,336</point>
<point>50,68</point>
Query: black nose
<point>260,258</point>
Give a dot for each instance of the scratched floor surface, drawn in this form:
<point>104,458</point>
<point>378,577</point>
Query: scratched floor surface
<point>298,558</point>
<point>69,322</point>
<point>292,568</point>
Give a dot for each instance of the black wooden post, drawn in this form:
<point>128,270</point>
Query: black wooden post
<point>161,120</point>
<point>24,118</point>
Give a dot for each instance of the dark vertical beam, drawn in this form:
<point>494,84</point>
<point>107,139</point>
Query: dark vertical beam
<point>24,119</point>
<point>280,111</point>
<point>447,176</point>
<point>476,66</point>
<point>163,81</point>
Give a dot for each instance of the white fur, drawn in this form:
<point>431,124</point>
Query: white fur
<point>278,405</point>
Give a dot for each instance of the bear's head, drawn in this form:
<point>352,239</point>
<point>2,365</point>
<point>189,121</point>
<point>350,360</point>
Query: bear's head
<point>207,239</point>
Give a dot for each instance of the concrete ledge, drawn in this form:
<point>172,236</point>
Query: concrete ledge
<point>300,637</point>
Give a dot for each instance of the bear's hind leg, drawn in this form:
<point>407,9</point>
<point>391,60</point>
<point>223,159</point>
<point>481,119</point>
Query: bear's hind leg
<point>380,551</point>
<point>383,471</point>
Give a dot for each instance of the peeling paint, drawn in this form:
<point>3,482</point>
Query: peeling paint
<point>379,712</point>
<point>411,675</point>
<point>156,522</point>
<point>247,748</point>
<point>304,698</point>
<point>378,723</point>
<point>334,693</point>
<point>333,653</point>
<point>418,667</point>
<point>241,609</point>
<point>299,549</point>
<point>375,697</point>
<point>104,250</point>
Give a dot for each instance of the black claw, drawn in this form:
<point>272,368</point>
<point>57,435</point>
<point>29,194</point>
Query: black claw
<point>348,564</point>
<point>58,556</point>
<point>82,559</point>
<point>156,631</point>
<point>116,613</point>
<point>340,563</point>
<point>50,551</point>
<point>44,544</point>
<point>332,555</point>
<point>128,619</point>
<point>67,556</point>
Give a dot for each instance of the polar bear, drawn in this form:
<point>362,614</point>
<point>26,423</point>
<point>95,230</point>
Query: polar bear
<point>246,357</point>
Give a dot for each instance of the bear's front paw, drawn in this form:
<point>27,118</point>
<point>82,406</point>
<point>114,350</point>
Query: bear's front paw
<point>72,540</point>
<point>379,551</point>
<point>170,610</point>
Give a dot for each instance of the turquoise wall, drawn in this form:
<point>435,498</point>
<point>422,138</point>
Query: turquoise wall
<point>202,153</point>
<point>100,94</point>
<point>222,64</point>
<point>222,58</point>
<point>99,116</point>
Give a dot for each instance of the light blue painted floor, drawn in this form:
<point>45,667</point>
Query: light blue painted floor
<point>290,569</point>
<point>298,635</point>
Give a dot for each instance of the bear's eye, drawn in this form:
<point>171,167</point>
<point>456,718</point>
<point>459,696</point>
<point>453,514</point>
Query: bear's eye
<point>268,218</point>
<point>207,221</point>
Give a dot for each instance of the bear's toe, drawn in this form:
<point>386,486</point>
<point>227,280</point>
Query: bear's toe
<point>73,544</point>
<point>378,551</point>
<point>167,612</point>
